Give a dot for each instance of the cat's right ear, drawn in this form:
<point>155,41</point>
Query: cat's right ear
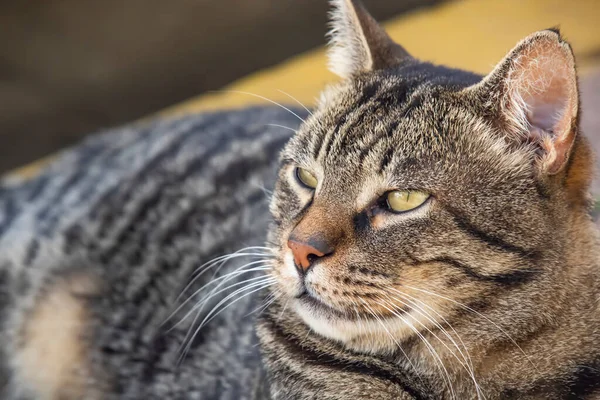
<point>533,97</point>
<point>358,43</point>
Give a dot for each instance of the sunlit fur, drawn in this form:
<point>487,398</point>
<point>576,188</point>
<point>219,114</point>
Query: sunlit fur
<point>487,290</point>
<point>490,288</point>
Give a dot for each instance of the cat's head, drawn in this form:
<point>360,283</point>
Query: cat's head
<point>413,188</point>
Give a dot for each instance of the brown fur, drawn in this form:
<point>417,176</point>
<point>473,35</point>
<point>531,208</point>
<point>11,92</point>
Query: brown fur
<point>490,288</point>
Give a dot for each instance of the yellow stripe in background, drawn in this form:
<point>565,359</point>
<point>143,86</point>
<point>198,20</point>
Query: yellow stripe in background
<point>469,34</point>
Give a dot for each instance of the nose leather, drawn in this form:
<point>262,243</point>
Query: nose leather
<point>306,251</point>
<point>316,235</point>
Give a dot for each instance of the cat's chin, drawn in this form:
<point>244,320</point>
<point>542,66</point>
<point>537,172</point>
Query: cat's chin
<point>357,334</point>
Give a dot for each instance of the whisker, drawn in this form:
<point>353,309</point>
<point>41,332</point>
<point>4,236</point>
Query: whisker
<point>425,315</point>
<point>413,303</point>
<point>283,310</point>
<point>238,253</point>
<point>268,281</point>
<point>238,271</point>
<point>464,306</point>
<point>296,100</point>
<point>189,338</point>
<point>427,344</point>
<point>465,363</point>
<point>283,126</point>
<point>424,304</point>
<point>181,348</point>
<point>267,302</point>
<point>263,98</point>
<point>224,258</point>
<point>257,286</point>
<point>264,259</point>
<point>266,191</point>
<point>224,279</point>
<point>372,312</point>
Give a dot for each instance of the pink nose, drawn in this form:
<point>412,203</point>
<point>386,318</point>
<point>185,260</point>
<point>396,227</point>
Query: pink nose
<point>305,253</point>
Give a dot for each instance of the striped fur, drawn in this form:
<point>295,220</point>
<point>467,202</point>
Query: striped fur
<point>488,290</point>
<point>136,211</point>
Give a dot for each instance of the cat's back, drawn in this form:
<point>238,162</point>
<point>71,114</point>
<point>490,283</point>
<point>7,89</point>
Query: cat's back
<point>95,251</point>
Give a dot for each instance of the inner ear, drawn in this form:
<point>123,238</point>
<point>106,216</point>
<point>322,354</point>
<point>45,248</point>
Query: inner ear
<point>534,97</point>
<point>546,110</point>
<point>542,89</point>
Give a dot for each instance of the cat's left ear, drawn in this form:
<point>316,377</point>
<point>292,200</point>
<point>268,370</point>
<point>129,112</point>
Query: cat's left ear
<point>533,95</point>
<point>358,43</point>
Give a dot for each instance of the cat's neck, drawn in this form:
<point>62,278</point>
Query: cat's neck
<point>566,309</point>
<point>582,249</point>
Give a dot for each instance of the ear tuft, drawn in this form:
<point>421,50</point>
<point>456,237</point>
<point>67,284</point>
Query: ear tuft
<point>357,42</point>
<point>534,92</point>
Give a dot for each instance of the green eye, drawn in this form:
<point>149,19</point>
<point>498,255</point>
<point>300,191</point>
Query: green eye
<point>405,200</point>
<point>306,178</point>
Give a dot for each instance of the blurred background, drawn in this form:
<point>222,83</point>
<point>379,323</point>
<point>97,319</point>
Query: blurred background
<point>71,67</point>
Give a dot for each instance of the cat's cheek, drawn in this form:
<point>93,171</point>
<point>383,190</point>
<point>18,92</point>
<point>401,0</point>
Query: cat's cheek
<point>326,326</point>
<point>288,276</point>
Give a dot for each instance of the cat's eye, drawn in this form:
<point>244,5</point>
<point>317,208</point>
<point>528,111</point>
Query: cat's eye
<point>405,200</point>
<point>306,178</point>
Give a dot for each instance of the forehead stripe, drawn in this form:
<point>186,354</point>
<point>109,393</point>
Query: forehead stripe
<point>389,131</point>
<point>387,99</point>
<point>325,142</point>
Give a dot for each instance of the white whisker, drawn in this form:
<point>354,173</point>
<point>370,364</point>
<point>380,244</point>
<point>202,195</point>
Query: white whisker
<point>267,302</point>
<point>283,126</point>
<point>372,312</point>
<point>465,362</point>
<point>266,191</point>
<point>256,286</point>
<point>296,100</point>
<point>224,258</point>
<point>267,281</point>
<point>263,98</point>
<point>283,309</point>
<point>480,315</point>
<point>224,279</point>
<point>430,319</point>
<point>424,304</point>
<point>428,345</point>
<point>181,351</point>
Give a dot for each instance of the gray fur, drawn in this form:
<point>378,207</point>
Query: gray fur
<point>143,207</point>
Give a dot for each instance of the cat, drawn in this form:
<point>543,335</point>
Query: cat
<point>429,238</point>
<point>432,230</point>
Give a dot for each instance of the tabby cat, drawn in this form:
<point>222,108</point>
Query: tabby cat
<point>430,238</point>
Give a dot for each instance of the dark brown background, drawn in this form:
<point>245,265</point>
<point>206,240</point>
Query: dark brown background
<point>70,67</point>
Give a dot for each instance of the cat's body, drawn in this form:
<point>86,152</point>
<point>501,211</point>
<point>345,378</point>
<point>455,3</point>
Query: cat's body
<point>430,239</point>
<point>136,212</point>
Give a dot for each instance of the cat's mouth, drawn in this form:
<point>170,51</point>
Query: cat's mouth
<point>306,299</point>
<point>359,330</point>
<point>312,305</point>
